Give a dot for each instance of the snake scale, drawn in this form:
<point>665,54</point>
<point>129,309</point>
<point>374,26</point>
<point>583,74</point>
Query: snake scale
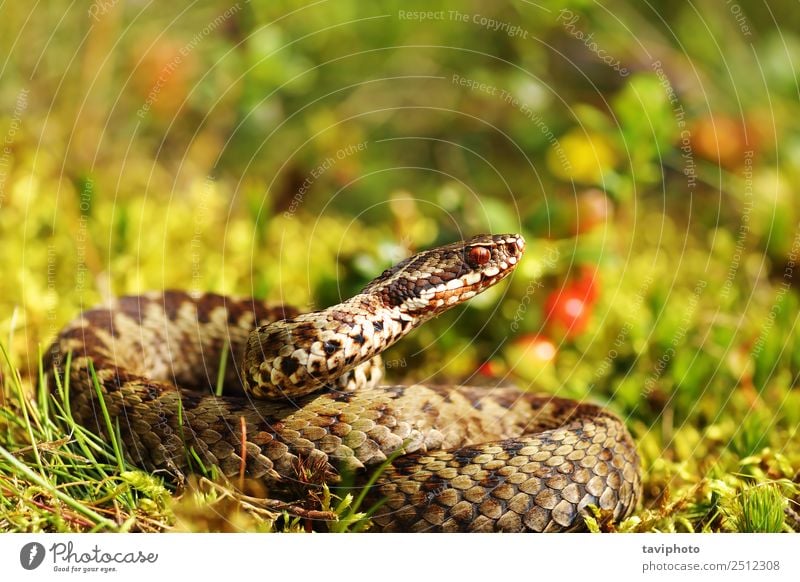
<point>302,396</point>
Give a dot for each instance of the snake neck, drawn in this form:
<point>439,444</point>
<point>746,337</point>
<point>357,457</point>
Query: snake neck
<point>298,356</point>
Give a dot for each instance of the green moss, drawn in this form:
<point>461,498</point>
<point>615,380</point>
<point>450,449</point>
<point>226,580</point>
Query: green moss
<point>760,510</point>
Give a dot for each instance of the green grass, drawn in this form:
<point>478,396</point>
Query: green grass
<point>57,476</point>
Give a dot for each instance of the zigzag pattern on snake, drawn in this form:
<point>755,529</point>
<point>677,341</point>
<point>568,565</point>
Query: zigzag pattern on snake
<point>305,387</point>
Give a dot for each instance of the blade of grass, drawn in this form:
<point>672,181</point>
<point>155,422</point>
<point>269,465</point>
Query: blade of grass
<point>348,519</point>
<point>221,372</point>
<point>27,473</point>
<point>24,404</point>
<point>111,430</point>
<point>43,396</point>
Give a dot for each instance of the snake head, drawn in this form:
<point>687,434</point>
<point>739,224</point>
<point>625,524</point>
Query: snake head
<point>435,280</point>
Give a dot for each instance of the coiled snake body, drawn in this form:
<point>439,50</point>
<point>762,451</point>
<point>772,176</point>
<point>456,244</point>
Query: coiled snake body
<point>301,390</point>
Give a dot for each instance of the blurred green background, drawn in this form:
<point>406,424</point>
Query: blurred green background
<point>292,151</point>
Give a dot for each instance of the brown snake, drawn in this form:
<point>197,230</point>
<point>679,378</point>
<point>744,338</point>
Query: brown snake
<point>300,392</point>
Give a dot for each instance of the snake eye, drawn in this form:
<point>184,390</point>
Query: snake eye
<point>479,256</point>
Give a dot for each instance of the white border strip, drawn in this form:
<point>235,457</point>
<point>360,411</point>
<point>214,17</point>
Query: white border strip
<point>400,557</point>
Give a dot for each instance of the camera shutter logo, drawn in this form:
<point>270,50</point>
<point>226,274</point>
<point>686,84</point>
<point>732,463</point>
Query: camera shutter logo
<point>31,555</point>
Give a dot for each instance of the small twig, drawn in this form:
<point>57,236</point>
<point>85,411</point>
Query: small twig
<point>792,517</point>
<point>258,503</point>
<point>243,463</point>
<point>76,506</point>
<point>72,518</point>
<point>47,446</point>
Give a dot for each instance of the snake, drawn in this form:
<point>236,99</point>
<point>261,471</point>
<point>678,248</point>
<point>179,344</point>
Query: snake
<point>296,400</point>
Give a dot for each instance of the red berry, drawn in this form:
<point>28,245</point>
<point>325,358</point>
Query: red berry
<point>567,311</point>
<point>721,139</point>
<point>486,369</point>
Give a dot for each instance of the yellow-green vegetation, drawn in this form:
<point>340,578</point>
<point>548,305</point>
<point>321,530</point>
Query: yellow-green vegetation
<point>292,152</point>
